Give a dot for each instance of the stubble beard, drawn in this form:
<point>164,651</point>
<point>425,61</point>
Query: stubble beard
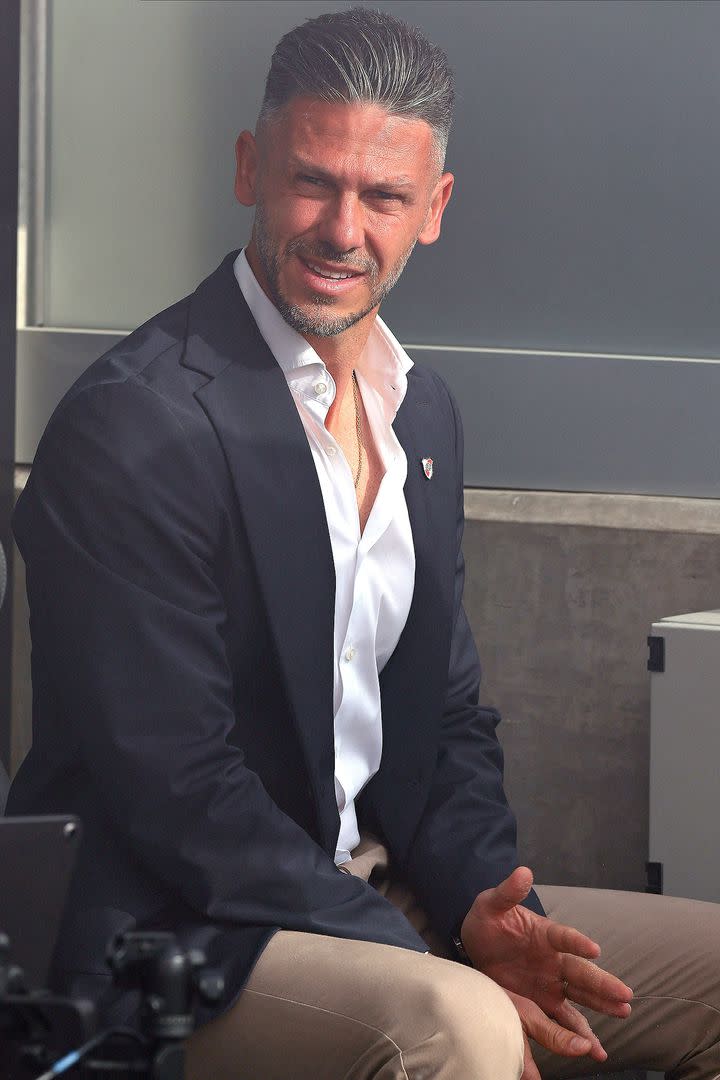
<point>313,318</point>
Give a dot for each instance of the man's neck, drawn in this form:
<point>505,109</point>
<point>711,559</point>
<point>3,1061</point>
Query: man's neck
<point>341,352</point>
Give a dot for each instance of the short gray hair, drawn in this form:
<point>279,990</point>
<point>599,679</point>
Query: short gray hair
<point>368,56</point>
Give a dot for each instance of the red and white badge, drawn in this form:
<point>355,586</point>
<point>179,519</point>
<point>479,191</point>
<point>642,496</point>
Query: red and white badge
<point>427,464</point>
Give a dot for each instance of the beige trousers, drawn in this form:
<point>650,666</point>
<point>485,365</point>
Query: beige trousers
<point>321,1008</point>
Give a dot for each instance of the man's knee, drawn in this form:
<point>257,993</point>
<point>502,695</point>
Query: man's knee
<point>473,1027</point>
<point>358,1009</point>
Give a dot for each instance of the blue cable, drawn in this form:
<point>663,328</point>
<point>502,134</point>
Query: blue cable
<point>64,1063</point>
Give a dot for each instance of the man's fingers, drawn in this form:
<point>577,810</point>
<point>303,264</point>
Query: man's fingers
<point>530,1069</point>
<point>553,1036</point>
<point>566,939</point>
<point>508,893</point>
<point>570,1018</point>
<point>589,985</point>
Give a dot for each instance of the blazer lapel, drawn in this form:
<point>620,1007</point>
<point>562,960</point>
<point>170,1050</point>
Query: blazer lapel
<point>248,402</point>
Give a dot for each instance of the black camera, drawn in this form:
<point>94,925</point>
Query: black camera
<point>46,1036</point>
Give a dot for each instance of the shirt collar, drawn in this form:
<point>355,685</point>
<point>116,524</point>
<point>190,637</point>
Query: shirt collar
<point>383,363</point>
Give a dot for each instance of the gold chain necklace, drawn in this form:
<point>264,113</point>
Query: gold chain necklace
<point>358,428</point>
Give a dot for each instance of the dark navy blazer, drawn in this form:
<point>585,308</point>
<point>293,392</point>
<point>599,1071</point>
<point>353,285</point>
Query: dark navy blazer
<point>181,580</point>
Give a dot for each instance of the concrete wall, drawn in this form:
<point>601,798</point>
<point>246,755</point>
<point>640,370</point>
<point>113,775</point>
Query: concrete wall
<point>561,592</point>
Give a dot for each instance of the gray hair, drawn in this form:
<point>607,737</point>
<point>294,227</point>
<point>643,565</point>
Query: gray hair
<point>364,56</point>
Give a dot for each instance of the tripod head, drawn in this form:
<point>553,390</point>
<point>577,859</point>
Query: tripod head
<point>168,978</point>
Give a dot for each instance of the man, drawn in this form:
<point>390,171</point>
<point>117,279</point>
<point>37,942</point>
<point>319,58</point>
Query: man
<point>253,676</point>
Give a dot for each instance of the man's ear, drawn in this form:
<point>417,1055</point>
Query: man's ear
<point>246,156</point>
<point>439,200</point>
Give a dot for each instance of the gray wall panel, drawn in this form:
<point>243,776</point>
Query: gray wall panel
<point>586,423</point>
<point>587,160</point>
<point>563,423</point>
<point>145,103</point>
<point>584,218</point>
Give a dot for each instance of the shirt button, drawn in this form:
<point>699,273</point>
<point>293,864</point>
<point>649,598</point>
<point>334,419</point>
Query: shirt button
<point>320,387</point>
<point>349,653</point>
<point>331,451</point>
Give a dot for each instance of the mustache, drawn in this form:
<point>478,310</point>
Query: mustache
<point>321,249</point>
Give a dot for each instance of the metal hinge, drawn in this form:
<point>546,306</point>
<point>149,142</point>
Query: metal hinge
<point>656,659</point>
<point>654,871</point>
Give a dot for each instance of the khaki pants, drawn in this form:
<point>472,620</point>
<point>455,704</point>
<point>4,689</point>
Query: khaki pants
<point>321,1008</point>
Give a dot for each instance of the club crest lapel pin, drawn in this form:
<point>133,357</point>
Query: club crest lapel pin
<point>427,464</point>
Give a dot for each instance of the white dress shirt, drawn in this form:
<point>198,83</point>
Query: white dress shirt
<point>375,570</point>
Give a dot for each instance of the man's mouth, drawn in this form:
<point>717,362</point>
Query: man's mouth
<point>329,273</point>
<point>334,276</point>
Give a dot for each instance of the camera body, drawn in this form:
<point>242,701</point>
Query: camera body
<point>40,1029</point>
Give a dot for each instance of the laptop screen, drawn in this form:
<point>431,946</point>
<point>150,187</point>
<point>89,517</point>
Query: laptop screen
<point>37,857</point>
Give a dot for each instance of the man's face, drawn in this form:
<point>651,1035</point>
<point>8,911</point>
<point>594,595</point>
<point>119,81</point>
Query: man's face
<point>342,194</point>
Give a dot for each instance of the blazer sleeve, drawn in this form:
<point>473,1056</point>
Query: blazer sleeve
<point>119,526</point>
<point>466,839</point>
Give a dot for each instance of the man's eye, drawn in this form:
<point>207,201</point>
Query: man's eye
<point>386,196</point>
<point>312,181</point>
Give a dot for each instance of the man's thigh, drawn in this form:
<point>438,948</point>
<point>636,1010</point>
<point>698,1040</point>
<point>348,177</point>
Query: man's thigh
<point>322,1008</point>
<point>668,950</point>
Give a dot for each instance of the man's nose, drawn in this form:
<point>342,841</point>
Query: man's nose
<point>342,224</point>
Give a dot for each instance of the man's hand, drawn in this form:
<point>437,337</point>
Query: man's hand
<point>544,966</point>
